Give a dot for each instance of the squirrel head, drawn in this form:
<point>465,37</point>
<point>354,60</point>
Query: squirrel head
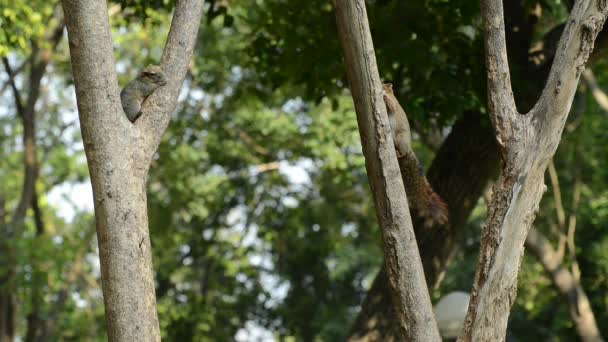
<point>388,88</point>
<point>153,74</point>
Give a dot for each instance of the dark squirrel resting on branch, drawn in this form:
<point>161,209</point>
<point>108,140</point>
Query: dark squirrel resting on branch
<point>135,92</point>
<point>421,197</point>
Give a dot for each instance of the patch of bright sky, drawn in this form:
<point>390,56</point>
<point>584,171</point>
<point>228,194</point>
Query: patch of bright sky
<point>253,332</point>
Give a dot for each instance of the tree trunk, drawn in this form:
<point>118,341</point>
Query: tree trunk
<point>7,304</point>
<point>402,260</point>
<point>34,319</point>
<point>526,142</point>
<point>119,154</point>
<point>26,111</point>
<point>464,165</point>
<point>74,271</point>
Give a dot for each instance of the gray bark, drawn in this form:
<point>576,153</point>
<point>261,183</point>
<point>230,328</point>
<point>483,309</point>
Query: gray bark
<point>464,165</point>
<point>402,260</point>
<point>119,155</point>
<point>526,143</point>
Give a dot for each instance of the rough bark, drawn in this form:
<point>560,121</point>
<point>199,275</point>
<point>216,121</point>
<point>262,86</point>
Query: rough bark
<point>567,285</point>
<point>402,260</point>
<point>526,142</point>
<point>464,165</point>
<point>375,322</point>
<point>119,154</point>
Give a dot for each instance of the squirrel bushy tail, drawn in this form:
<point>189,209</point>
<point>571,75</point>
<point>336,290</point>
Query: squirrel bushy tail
<point>421,197</point>
<point>425,202</point>
<point>435,211</point>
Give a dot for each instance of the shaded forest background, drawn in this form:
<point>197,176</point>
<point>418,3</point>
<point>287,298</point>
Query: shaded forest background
<point>260,213</point>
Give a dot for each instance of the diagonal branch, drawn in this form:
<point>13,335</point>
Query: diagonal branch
<point>500,95</point>
<point>11,81</point>
<point>15,73</point>
<point>572,229</point>
<point>598,94</point>
<point>528,142</point>
<point>557,193</point>
<point>575,46</point>
<point>174,63</point>
<point>27,112</point>
<point>402,259</point>
<point>567,285</point>
<point>33,318</point>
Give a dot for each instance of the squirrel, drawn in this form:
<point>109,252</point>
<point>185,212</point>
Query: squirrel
<point>135,92</point>
<point>421,196</point>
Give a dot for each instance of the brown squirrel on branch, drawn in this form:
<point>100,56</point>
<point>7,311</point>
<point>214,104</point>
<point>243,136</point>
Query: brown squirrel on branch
<point>421,197</point>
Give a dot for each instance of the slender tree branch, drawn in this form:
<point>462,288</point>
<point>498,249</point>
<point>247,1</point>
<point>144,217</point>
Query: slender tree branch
<point>527,143</point>
<point>174,63</point>
<point>34,321</point>
<point>572,229</point>
<point>500,95</point>
<point>11,81</point>
<point>567,285</point>
<point>27,112</point>
<point>247,139</point>
<point>402,259</point>
<point>559,207</point>
<point>15,73</point>
<point>575,46</point>
<point>598,94</point>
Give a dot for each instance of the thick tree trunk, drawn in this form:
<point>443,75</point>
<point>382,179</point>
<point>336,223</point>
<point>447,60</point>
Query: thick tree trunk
<point>527,142</point>
<point>119,154</point>
<point>402,261</point>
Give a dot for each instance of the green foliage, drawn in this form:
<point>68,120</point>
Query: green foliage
<point>23,21</point>
<point>433,61</point>
<point>258,201</point>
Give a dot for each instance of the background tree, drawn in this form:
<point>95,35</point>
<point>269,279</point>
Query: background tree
<point>261,221</point>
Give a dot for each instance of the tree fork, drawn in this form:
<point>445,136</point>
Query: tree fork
<point>526,142</point>
<point>119,155</point>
